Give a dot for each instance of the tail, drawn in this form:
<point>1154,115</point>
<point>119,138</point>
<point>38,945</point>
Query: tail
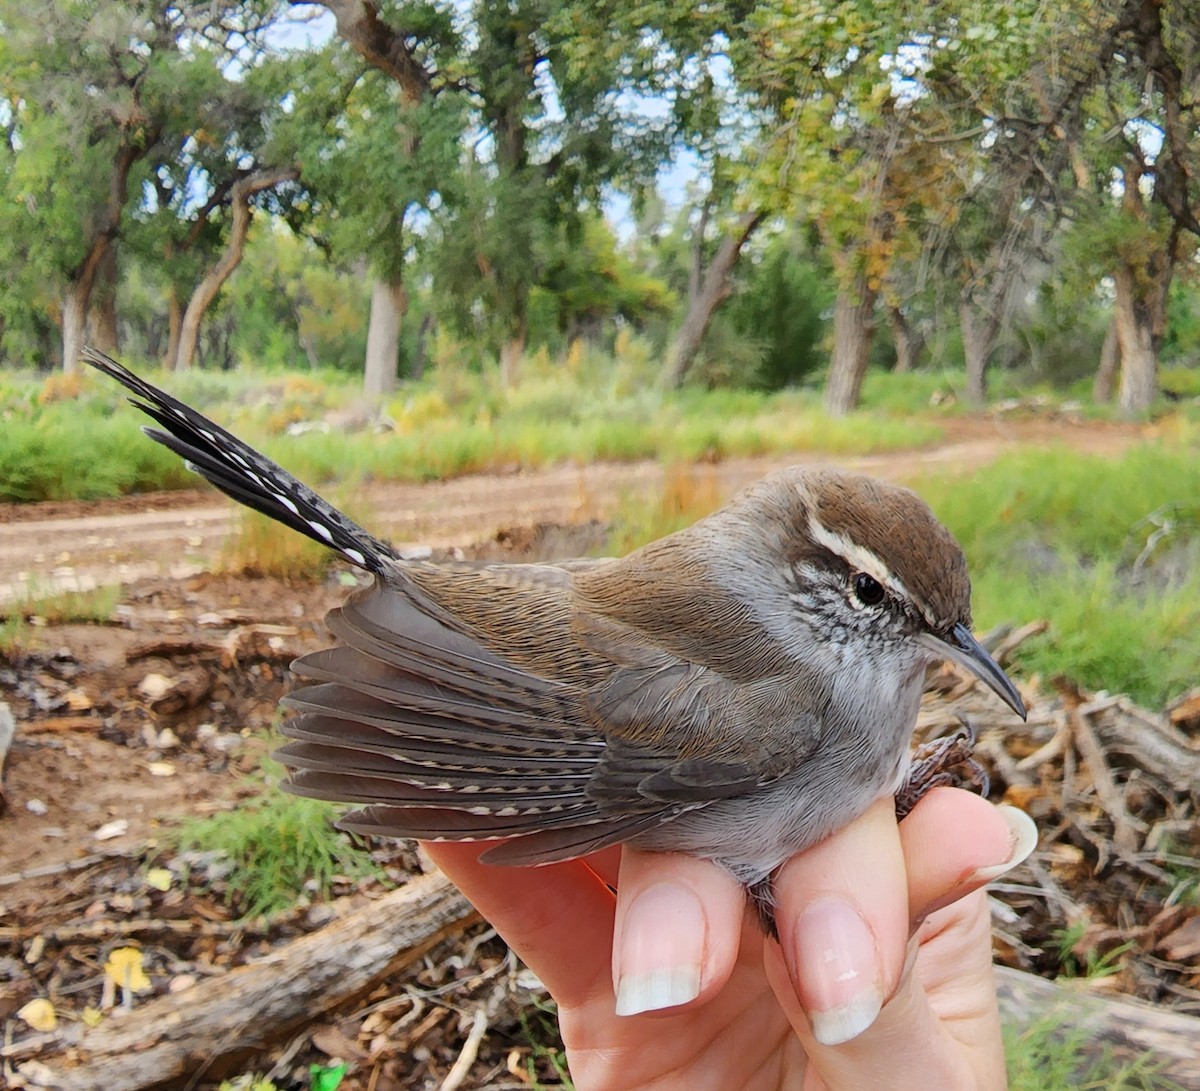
<point>241,472</point>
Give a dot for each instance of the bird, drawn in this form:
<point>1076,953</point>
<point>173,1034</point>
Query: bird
<point>737,690</point>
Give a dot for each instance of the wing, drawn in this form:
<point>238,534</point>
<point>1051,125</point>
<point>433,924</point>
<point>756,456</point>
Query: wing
<point>473,703</point>
<point>438,735</point>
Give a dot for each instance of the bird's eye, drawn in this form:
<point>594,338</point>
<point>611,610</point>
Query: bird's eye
<point>867,590</point>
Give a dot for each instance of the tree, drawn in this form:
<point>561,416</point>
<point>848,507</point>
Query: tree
<point>377,124</point>
<point>88,92</point>
<point>1163,72</point>
<point>240,195</point>
<point>710,284</point>
<point>105,102</point>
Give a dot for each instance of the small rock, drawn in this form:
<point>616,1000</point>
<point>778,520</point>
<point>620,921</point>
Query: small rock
<point>118,827</point>
<point>36,806</point>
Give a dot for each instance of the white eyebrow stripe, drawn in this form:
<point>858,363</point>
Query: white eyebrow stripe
<point>857,557</point>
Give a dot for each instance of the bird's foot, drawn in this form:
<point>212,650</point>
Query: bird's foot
<point>932,764</point>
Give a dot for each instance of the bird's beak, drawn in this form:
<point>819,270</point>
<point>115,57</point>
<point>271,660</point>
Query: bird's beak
<point>962,648</point>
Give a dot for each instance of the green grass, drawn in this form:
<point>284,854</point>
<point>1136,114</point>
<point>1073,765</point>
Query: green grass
<point>65,607</point>
<point>19,617</point>
<point>79,440</point>
<point>1046,1056</point>
<point>1070,538</point>
<point>278,846</point>
<point>548,1057</point>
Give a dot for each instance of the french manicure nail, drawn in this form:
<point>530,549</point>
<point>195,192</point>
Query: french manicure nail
<point>660,955</point>
<point>836,966</point>
<point>1023,839</point>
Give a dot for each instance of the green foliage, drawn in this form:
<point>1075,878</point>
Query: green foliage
<point>1095,963</point>
<point>1105,549</point>
<point>1090,506</point>
<point>278,847</point>
<point>591,407</point>
<point>1046,1056</point>
<point>76,450</point>
<point>782,303</point>
<point>65,607</point>
<point>293,309</point>
<point>539,1025</point>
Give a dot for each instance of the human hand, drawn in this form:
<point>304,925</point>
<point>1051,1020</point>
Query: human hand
<point>883,976</point>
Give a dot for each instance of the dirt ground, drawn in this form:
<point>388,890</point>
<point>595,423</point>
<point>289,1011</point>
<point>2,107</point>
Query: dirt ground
<point>85,544</point>
<point>123,727</point>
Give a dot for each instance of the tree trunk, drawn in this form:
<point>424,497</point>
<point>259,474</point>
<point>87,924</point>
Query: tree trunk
<point>74,321</point>
<point>389,302</point>
<point>174,322</point>
<point>1110,362</point>
<point>421,355</point>
<point>853,329</point>
<point>510,358</point>
<point>907,341</point>
<point>1139,349</point>
<point>108,223</point>
<point>206,291</point>
<point>714,290</point>
<point>102,319</point>
<point>978,336</point>
<point>1143,283</point>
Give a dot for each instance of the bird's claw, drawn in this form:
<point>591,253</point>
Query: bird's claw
<point>932,764</point>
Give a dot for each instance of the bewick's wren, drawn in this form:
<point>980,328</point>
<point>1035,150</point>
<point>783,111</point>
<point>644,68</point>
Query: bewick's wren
<point>736,691</point>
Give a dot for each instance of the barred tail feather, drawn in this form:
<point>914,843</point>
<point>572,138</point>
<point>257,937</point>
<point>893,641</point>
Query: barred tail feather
<point>242,473</point>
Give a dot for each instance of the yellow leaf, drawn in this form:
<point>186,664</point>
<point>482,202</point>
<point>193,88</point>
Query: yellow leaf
<point>90,1016</point>
<point>39,1014</point>
<point>124,967</point>
<point>159,878</point>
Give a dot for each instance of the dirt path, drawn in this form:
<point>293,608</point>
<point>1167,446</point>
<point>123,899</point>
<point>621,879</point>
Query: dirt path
<point>79,546</point>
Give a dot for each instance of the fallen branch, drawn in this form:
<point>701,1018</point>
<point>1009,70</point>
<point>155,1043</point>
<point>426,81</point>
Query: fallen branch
<point>103,930</point>
<point>62,723</point>
<point>1127,831</point>
<point>221,1017</point>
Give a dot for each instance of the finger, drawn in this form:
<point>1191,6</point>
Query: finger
<point>955,842</point>
<point>679,922</point>
<point>954,1045</point>
<point>559,917</point>
<point>844,924</point>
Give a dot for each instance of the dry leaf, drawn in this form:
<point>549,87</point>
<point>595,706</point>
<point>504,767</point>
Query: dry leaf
<point>159,878</point>
<point>124,968</point>
<point>1182,945</point>
<point>1185,714</point>
<point>77,700</point>
<point>333,1042</point>
<point>39,1014</point>
<point>155,686</point>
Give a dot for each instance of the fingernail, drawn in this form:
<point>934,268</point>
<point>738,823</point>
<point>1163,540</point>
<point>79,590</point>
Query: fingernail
<point>660,954</point>
<point>836,967</point>
<point>1022,840</point>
